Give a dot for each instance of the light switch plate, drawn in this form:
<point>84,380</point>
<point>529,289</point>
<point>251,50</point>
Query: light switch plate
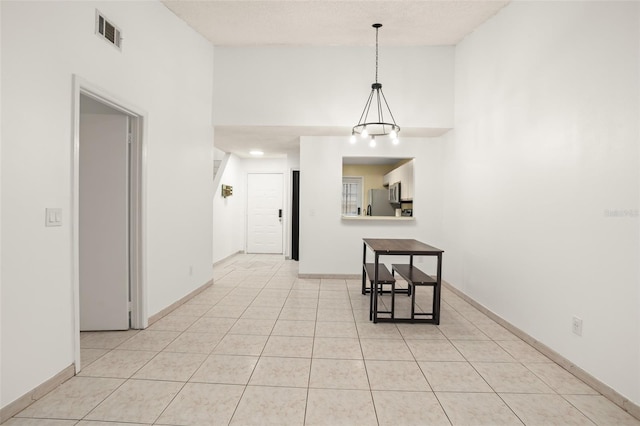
<point>53,217</point>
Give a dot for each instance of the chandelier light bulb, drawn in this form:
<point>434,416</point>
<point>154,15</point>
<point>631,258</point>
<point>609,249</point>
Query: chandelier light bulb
<point>393,135</point>
<point>365,133</point>
<point>372,143</point>
<point>352,139</point>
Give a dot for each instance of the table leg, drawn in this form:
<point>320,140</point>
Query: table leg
<point>436,293</point>
<point>410,289</point>
<point>374,290</point>
<point>413,304</point>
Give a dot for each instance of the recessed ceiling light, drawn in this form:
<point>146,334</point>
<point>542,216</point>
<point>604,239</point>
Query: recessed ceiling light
<point>256,152</point>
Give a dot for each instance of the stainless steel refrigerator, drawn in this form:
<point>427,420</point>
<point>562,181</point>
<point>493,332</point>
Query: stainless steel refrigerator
<point>379,204</point>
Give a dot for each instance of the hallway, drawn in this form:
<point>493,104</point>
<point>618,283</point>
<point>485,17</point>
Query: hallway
<point>263,347</point>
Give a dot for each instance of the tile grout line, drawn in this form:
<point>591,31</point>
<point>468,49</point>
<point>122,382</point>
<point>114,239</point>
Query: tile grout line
<point>252,371</point>
<point>259,356</point>
<point>192,374</point>
<point>313,345</point>
<point>366,370</point>
<point>452,336</point>
<point>480,375</point>
<point>131,377</point>
<point>425,376</point>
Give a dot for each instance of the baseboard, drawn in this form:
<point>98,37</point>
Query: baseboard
<point>228,257</point>
<point>182,301</point>
<point>606,391</point>
<point>330,276</point>
<point>32,396</point>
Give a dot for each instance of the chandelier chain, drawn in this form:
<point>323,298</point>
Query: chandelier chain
<point>377,54</point>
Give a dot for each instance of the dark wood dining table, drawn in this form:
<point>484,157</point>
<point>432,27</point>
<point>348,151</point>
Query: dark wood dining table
<point>402,247</point>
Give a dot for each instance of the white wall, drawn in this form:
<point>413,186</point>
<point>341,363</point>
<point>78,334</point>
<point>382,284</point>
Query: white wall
<point>328,86</point>
<point>545,148</point>
<point>332,245</point>
<point>230,214</point>
<point>1,209</point>
<point>165,69</point>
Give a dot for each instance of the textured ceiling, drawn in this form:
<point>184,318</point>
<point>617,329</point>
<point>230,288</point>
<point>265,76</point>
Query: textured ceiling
<point>325,23</point>
<point>333,23</point>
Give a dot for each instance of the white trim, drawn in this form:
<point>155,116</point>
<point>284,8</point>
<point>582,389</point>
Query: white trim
<point>608,392</point>
<point>175,305</point>
<point>139,318</point>
<point>13,408</point>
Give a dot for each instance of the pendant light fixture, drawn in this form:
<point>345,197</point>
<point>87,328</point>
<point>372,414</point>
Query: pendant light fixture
<point>377,126</point>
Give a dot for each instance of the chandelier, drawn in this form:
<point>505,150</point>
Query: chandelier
<point>378,103</point>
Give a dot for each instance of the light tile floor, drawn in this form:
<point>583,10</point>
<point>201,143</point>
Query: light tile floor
<point>264,347</point>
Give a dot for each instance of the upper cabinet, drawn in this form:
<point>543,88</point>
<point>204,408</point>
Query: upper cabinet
<point>404,175</point>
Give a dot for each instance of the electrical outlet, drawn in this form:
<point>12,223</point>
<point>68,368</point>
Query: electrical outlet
<point>577,326</point>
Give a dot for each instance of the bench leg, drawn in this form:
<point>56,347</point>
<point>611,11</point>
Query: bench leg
<point>393,300</point>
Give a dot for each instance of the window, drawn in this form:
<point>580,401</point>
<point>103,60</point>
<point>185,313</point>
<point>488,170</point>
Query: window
<point>351,195</point>
<point>376,175</point>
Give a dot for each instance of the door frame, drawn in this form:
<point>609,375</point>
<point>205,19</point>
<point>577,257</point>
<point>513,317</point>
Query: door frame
<point>294,242</point>
<point>284,216</point>
<point>137,205</point>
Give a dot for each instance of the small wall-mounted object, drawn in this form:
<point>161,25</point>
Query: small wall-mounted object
<point>227,191</point>
<point>53,217</point>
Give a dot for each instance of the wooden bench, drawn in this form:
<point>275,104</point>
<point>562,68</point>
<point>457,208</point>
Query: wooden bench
<point>384,278</point>
<point>416,278</point>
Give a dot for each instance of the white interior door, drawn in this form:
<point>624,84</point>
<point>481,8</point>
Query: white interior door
<point>104,222</point>
<point>264,213</point>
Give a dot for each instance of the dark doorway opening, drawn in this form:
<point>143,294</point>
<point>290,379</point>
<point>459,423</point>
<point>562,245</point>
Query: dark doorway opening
<point>295,216</point>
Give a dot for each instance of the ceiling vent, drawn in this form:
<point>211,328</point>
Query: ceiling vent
<point>107,31</point>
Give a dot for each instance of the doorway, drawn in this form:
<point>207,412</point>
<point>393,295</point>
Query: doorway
<point>104,217</point>
<point>295,215</point>
<point>107,225</point>
<point>264,213</point>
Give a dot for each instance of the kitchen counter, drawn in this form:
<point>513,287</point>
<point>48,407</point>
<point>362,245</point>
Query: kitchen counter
<point>387,218</point>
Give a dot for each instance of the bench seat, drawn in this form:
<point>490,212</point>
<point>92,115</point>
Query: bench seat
<point>413,275</point>
<point>384,278</point>
<point>415,278</point>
